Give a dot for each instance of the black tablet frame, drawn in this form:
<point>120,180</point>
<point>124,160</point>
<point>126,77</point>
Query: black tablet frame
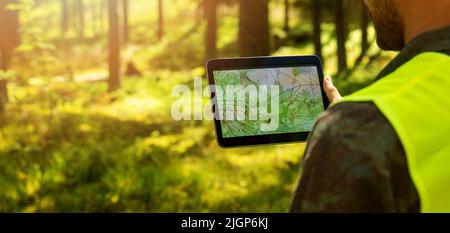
<point>255,63</point>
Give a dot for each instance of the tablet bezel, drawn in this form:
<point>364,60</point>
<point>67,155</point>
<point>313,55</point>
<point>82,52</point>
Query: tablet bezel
<point>258,63</point>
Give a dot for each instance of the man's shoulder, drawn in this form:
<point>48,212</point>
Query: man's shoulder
<point>353,118</point>
<point>354,161</point>
<point>356,126</point>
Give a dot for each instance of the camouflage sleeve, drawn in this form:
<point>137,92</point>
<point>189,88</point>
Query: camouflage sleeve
<point>355,162</point>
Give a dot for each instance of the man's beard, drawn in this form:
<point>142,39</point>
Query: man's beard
<point>389,27</point>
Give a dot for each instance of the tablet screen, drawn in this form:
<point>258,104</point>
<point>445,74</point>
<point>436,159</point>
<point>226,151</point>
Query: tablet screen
<point>267,101</point>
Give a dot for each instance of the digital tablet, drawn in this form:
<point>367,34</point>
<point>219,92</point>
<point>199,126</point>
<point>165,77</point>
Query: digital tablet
<point>265,100</point>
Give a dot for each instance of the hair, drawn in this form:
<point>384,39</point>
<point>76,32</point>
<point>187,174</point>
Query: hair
<point>388,25</point>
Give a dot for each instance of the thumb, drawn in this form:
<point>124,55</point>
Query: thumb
<point>331,91</point>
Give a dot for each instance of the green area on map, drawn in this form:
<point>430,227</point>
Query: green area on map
<point>300,99</point>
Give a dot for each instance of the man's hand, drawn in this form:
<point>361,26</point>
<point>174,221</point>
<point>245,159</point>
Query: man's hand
<point>331,91</point>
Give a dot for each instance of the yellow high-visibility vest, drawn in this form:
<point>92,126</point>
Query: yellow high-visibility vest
<point>416,101</point>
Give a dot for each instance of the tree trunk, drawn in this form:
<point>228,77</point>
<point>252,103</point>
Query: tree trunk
<point>93,18</point>
<point>80,11</point>
<point>102,6</point>
<point>286,15</point>
<point>317,21</point>
<point>9,33</point>
<point>210,9</point>
<point>254,28</point>
<point>364,25</point>
<point>114,53</point>
<point>64,16</point>
<point>160,20</point>
<point>9,40</point>
<point>340,34</point>
<point>125,22</point>
<point>3,95</point>
<point>96,18</point>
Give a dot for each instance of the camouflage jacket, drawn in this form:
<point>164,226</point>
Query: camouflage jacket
<point>354,161</point>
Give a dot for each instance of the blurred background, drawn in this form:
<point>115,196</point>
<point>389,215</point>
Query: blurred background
<point>85,87</point>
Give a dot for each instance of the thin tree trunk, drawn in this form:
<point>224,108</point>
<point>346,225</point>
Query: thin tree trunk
<point>80,11</point>
<point>93,18</point>
<point>4,54</point>
<point>160,20</point>
<point>9,33</point>
<point>340,34</point>
<point>125,22</point>
<point>97,18</point>
<point>64,16</point>
<point>286,15</point>
<point>114,53</point>
<point>103,4</point>
<point>9,40</point>
<point>210,10</point>
<point>317,21</point>
<point>364,25</point>
<point>3,95</point>
<point>254,28</point>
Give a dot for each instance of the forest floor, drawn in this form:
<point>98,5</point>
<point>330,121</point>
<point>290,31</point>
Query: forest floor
<point>72,147</point>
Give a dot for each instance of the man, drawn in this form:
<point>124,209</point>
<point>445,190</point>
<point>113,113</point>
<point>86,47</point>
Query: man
<point>387,148</point>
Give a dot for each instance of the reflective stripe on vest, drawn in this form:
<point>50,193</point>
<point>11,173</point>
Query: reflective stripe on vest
<point>416,101</point>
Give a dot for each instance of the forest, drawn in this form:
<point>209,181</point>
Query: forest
<point>85,122</point>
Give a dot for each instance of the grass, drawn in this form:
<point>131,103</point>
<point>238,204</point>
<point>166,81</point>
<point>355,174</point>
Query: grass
<point>69,147</point>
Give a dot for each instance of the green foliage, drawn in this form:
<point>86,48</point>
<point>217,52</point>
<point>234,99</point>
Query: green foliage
<point>74,148</point>
<point>67,145</point>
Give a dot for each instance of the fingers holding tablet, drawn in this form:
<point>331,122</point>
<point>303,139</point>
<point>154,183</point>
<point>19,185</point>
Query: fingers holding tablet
<point>331,91</point>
